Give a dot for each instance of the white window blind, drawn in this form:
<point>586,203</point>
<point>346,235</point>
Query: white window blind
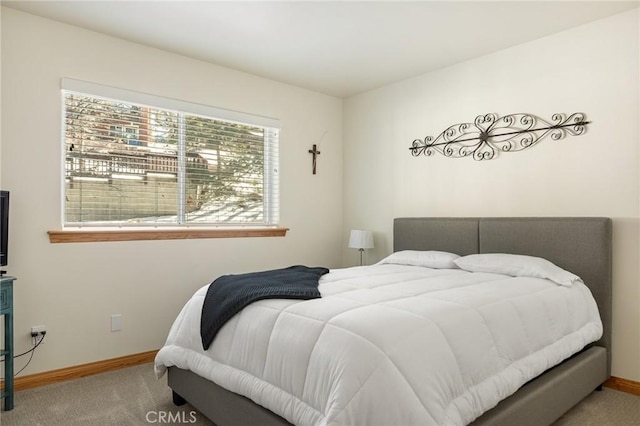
<point>147,164</point>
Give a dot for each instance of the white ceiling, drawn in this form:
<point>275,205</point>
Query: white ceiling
<point>340,48</point>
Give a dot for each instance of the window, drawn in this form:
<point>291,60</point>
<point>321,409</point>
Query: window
<point>138,160</point>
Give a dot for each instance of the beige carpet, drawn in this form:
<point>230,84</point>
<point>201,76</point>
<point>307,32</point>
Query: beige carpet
<point>133,396</point>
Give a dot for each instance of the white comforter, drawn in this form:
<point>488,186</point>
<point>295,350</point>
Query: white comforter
<point>390,345</point>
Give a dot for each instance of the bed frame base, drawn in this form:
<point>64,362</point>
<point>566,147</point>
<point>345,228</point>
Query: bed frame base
<point>544,400</point>
<point>539,402</point>
<point>222,407</point>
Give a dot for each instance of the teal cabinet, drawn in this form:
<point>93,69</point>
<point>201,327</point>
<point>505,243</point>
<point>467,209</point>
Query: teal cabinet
<point>6,309</point>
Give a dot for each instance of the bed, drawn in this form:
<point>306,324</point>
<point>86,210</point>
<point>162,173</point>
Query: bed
<point>579,245</point>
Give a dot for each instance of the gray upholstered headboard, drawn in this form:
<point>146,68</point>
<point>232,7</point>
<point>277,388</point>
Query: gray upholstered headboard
<point>581,245</point>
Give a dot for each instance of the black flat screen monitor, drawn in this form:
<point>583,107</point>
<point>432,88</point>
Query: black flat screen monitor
<point>4,227</point>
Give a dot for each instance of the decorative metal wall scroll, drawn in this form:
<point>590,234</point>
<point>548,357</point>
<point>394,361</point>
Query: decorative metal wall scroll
<point>490,134</point>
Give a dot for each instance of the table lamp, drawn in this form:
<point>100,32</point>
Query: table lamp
<point>361,240</point>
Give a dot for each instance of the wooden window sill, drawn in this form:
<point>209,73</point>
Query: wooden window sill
<point>87,235</point>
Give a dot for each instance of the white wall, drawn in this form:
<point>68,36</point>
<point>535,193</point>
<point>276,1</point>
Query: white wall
<point>0,92</point>
<point>592,69</point>
<point>74,288</point>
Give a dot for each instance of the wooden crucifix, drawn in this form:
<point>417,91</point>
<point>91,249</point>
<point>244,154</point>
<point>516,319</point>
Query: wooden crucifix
<point>315,153</point>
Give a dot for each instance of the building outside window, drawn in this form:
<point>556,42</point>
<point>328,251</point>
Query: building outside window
<point>135,164</point>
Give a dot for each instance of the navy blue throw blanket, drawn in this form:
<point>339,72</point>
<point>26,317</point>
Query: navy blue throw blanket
<point>228,294</point>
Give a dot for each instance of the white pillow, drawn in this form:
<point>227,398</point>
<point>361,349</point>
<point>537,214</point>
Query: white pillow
<point>429,259</point>
<point>517,266</point>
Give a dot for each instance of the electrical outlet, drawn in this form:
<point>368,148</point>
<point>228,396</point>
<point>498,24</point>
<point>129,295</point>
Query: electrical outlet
<point>38,332</point>
<point>38,329</point>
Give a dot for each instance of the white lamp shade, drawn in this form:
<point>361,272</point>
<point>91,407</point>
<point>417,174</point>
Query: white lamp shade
<point>361,239</point>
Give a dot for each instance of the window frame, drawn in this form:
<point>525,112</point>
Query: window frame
<point>77,232</point>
